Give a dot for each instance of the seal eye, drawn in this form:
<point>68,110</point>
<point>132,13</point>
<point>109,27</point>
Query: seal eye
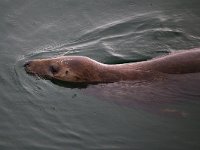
<point>54,69</point>
<point>67,72</point>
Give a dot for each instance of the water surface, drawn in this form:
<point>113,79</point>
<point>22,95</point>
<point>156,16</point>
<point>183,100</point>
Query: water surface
<point>40,114</point>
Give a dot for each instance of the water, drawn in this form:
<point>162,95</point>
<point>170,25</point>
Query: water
<point>40,114</point>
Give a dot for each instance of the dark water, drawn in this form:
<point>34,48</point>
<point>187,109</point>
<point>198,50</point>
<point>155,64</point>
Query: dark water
<point>39,114</point>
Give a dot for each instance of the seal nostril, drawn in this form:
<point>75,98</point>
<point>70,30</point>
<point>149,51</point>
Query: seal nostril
<point>27,64</point>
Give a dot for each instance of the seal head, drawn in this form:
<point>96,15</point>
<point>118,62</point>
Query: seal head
<point>70,68</point>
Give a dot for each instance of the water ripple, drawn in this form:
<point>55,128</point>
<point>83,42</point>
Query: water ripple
<point>134,38</point>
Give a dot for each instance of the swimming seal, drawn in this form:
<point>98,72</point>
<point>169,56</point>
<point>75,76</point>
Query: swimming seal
<point>82,69</point>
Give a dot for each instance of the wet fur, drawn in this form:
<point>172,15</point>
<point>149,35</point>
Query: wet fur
<point>85,70</point>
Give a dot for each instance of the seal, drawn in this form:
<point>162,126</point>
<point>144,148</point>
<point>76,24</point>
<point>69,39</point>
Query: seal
<point>81,69</point>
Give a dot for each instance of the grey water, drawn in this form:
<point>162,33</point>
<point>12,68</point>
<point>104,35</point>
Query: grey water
<point>140,115</point>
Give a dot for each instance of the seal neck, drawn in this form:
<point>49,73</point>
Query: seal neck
<point>114,73</point>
